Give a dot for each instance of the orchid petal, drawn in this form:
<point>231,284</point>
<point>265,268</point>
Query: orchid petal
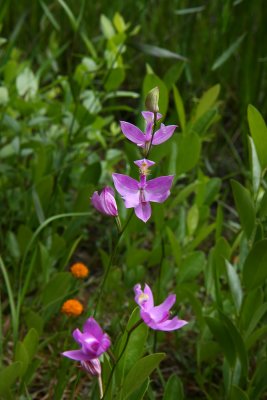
<point>128,189</point>
<point>97,203</point>
<point>158,189</point>
<point>92,327</point>
<point>163,134</point>
<point>132,133</point>
<point>143,211</point>
<point>148,292</point>
<point>144,298</point>
<point>77,336</point>
<point>172,324</point>
<point>149,116</point>
<point>77,355</point>
<point>144,162</point>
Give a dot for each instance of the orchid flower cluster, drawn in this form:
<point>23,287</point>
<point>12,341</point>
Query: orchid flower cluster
<point>139,194</point>
<point>92,340</point>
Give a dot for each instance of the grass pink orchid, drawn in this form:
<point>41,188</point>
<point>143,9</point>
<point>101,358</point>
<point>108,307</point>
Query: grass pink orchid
<point>105,202</point>
<point>92,340</point>
<point>156,317</point>
<point>143,139</point>
<point>138,195</point>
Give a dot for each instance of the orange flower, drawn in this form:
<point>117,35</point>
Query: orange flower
<point>72,308</point>
<point>79,270</point>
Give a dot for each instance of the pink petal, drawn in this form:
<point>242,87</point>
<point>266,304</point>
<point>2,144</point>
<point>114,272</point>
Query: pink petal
<point>77,336</point>
<point>128,189</point>
<point>143,211</point>
<point>171,324</point>
<point>77,355</point>
<point>93,328</point>
<point>132,133</point>
<point>148,292</point>
<point>163,134</point>
<point>158,189</point>
<point>145,302</point>
<point>97,202</point>
<point>161,312</point>
<point>109,202</point>
<point>149,116</point>
<point>144,161</point>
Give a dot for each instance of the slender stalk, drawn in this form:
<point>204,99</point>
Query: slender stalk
<point>129,332</point>
<point>14,316</point>
<point>158,291</point>
<point>153,133</point>
<point>111,260</point>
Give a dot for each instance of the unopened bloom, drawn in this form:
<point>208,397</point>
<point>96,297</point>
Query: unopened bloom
<point>138,194</point>
<point>143,139</point>
<point>72,308</point>
<point>152,100</point>
<point>156,317</point>
<point>92,340</point>
<point>105,202</point>
<point>79,270</point>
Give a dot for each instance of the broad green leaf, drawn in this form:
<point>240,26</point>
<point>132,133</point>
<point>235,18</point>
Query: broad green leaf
<point>263,205</point>
<point>8,376</point>
<point>256,336</point>
<point>228,53</point>
<point>152,81</point>
<point>57,288</point>
<point>139,393</point>
<point>223,338</point>
<point>115,79</point>
<point>201,125</point>
<point>179,105</point>
<point>119,23</point>
<point>34,320</point>
<point>251,302</point>
<point>192,219</point>
<point>254,165</point>
<point>244,207</point>
<point>106,27</point>
<point>254,270</point>
<point>27,84</point>
<point>258,382</point>
<point>140,372</point>
<point>237,394</point>
<point>234,283</point>
<point>188,152</point>
<point>135,346</point>
<point>30,342</point>
<point>258,132</point>
<point>191,266</point>
<point>175,245</point>
<point>174,389</point>
<point>207,101</point>
<point>256,317</point>
<point>22,356</point>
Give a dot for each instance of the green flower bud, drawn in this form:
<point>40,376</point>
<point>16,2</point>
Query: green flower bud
<point>152,100</point>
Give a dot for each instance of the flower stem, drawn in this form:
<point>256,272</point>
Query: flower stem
<point>129,332</point>
<point>153,133</point>
<point>111,260</point>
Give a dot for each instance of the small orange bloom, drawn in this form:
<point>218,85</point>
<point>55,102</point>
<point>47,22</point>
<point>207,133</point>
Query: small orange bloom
<point>79,270</point>
<point>72,308</point>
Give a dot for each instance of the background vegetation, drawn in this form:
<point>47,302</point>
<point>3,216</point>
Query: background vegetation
<point>69,71</point>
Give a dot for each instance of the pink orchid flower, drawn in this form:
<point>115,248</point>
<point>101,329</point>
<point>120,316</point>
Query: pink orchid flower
<point>105,202</point>
<point>156,317</point>
<point>138,195</point>
<point>143,139</point>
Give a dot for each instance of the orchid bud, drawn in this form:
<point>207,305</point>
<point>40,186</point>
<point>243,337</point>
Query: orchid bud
<point>152,100</point>
<point>105,202</point>
<point>93,367</point>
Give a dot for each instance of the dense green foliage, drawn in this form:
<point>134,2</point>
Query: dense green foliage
<point>69,71</point>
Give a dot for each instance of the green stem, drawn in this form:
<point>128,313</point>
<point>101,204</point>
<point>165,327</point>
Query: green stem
<point>111,260</point>
<point>14,316</point>
<point>153,133</point>
<point>129,332</point>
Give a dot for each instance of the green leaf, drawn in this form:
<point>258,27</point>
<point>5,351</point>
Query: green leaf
<point>258,382</point>
<point>223,338</point>
<point>8,376</point>
<point>228,53</point>
<point>106,27</point>
<point>207,101</point>
<point>175,245</point>
<point>192,219</point>
<point>256,317</point>
<point>263,205</point>
<point>57,288</point>
<point>179,105</point>
<point>27,84</point>
<point>140,372</point>
<point>237,394</point>
<point>191,266</point>
<point>33,320</point>
<point>156,51</point>
<point>254,165</point>
<point>22,356</point>
<point>115,79</point>
<point>201,125</point>
<point>254,270</point>
<point>140,392</point>
<point>188,152</point>
<point>174,389</point>
<point>234,283</point>
<point>244,207</point>
<point>30,343</point>
<point>258,132</point>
